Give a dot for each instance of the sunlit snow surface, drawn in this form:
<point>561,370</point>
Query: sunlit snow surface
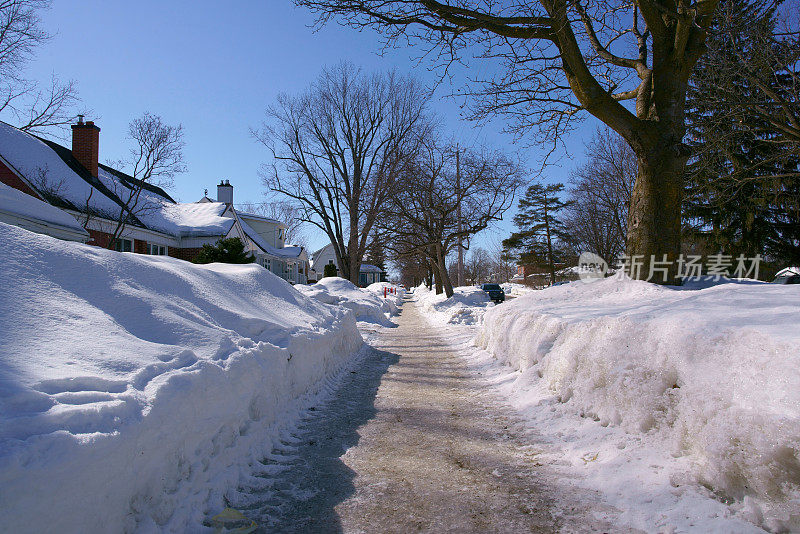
<point>682,406</point>
<point>135,389</point>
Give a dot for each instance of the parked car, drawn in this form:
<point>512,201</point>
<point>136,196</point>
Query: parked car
<point>495,292</point>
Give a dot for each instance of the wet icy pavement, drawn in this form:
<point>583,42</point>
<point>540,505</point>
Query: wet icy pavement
<point>412,441</point>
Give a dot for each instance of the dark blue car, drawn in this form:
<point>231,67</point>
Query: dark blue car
<point>495,292</point>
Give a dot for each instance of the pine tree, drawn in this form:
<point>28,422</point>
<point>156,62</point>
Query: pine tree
<point>742,184</point>
<point>230,250</point>
<point>540,230</point>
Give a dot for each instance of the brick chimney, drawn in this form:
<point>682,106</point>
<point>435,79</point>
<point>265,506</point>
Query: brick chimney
<point>86,144</point>
<point>225,192</point>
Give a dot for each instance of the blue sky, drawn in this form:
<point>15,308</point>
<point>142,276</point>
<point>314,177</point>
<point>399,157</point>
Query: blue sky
<point>214,67</point>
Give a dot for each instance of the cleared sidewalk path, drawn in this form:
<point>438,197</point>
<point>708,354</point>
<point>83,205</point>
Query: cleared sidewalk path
<point>412,441</point>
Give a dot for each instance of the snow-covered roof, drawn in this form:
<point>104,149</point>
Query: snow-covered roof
<point>255,237</point>
<point>788,271</point>
<point>15,202</point>
<point>195,219</point>
<point>41,165</point>
<point>367,268</point>
<point>63,182</point>
<point>247,215</point>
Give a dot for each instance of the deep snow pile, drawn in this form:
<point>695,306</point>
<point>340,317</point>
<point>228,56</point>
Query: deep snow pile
<point>366,305</point>
<point>393,294</point>
<point>466,306</point>
<point>516,290</point>
<point>134,390</point>
<point>689,389</point>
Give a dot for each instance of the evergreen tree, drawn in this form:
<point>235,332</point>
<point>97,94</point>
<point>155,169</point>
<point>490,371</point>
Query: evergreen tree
<point>230,250</point>
<point>330,270</point>
<point>540,230</point>
<point>743,195</point>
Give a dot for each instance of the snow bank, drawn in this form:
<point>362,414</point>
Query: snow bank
<point>135,390</point>
<point>366,305</point>
<point>516,290</point>
<point>466,306</point>
<point>710,377</point>
<point>395,299</point>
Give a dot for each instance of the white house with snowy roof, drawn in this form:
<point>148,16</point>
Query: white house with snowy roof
<point>265,238</point>
<point>92,197</point>
<point>367,273</point>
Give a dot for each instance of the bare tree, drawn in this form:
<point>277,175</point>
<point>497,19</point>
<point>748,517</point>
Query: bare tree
<point>413,268</point>
<point>504,266</point>
<point>599,196</point>
<point>338,148</point>
<point>34,108</point>
<point>479,266</point>
<point>561,58</point>
<point>287,213</point>
<point>157,156</point>
<point>422,217</point>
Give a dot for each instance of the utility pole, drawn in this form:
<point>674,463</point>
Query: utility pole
<point>458,214</point>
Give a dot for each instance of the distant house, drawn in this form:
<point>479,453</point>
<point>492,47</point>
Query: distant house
<point>74,183</point>
<point>539,275</point>
<point>367,274</point>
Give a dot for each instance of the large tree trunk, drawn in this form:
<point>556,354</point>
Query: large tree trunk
<point>437,279</point>
<point>354,259</point>
<point>654,218</point>
<point>442,268</point>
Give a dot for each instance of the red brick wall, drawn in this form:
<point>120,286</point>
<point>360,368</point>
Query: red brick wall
<point>99,239</point>
<point>8,177</point>
<point>187,254</point>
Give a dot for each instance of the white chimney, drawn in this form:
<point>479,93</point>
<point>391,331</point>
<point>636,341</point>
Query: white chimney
<point>225,192</point>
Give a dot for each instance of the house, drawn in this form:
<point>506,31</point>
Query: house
<point>73,182</point>
<point>265,239</point>
<point>367,274</point>
<point>95,195</point>
<point>539,275</point>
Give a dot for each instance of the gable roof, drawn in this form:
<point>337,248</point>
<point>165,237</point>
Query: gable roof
<point>253,216</point>
<point>255,237</point>
<point>61,180</point>
<point>318,252</point>
<point>53,172</point>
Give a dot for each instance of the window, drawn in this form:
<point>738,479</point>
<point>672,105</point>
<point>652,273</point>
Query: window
<point>330,262</point>
<point>124,245</point>
<point>156,250</point>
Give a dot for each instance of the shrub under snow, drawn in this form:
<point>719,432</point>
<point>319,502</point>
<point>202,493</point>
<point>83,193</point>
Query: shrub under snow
<point>135,389</point>
<point>714,374</point>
